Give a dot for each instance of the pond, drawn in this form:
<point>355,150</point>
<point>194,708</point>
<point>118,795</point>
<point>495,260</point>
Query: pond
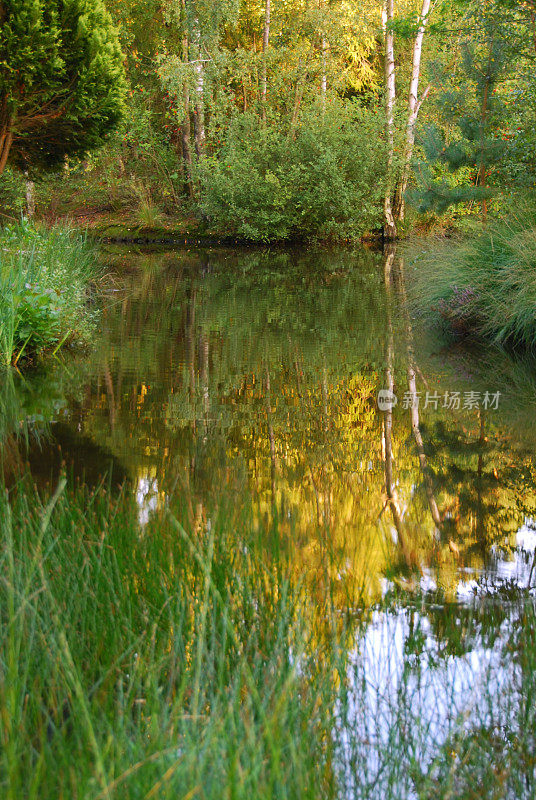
<point>399,470</point>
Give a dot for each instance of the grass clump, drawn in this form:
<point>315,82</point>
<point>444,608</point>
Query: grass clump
<point>483,285</point>
<point>163,661</point>
<point>44,277</point>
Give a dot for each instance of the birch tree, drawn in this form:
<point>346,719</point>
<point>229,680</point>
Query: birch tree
<point>390,98</point>
<point>394,207</point>
<point>265,45</point>
<point>414,105</point>
<point>199,71</point>
<point>185,74</point>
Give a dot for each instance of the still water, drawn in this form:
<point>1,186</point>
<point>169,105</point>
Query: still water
<point>254,376</point>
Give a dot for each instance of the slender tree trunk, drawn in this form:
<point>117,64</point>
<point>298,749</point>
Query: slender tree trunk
<point>6,133</point>
<point>6,140</point>
<point>199,116</point>
<point>414,105</point>
<point>30,196</point>
<point>265,45</point>
<point>482,176</point>
<point>186,136</point>
<point>324,83</point>
<point>390,97</point>
<point>482,171</point>
<point>186,128</point>
<point>298,96</point>
<point>324,50</point>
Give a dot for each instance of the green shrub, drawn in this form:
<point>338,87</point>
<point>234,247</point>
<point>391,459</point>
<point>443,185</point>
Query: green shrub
<point>43,285</point>
<point>326,180</point>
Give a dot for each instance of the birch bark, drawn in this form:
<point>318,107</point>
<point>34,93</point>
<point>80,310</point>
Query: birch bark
<point>414,105</point>
<point>265,45</point>
<point>390,97</point>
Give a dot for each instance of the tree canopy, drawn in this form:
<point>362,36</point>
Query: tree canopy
<point>61,80</point>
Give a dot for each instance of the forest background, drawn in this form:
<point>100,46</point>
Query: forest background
<point>295,119</point>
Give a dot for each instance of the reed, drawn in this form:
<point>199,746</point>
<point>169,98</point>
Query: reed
<point>187,658</point>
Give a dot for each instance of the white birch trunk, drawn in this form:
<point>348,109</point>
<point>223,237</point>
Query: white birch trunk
<point>324,87</point>
<point>390,97</point>
<point>199,127</point>
<point>414,105</point>
<point>265,45</point>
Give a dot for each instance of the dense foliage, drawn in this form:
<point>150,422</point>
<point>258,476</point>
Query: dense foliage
<point>326,180</point>
<point>267,121</point>
<point>61,80</point>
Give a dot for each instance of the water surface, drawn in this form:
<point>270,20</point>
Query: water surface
<point>252,378</point>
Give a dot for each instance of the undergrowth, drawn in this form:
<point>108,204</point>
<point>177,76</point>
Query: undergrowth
<point>44,280</point>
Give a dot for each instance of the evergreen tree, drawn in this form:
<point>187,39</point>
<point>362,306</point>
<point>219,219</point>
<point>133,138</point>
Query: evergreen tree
<point>475,111</point>
<point>61,80</point>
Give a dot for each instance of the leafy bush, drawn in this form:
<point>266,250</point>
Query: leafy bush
<point>43,281</point>
<point>326,180</point>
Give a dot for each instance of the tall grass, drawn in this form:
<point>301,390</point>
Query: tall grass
<point>44,275</point>
<point>169,662</point>
<point>185,659</point>
<point>483,285</point>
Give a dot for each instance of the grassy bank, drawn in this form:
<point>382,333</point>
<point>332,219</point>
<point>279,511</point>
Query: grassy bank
<point>483,285</point>
<point>44,277</point>
<point>186,659</point>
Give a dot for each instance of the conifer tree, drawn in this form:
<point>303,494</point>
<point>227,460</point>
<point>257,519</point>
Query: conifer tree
<point>473,108</point>
<point>61,80</point>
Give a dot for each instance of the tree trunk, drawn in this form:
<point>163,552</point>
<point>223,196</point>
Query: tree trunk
<point>6,140</point>
<point>298,96</point>
<point>482,171</point>
<point>324,87</point>
<point>30,196</point>
<point>324,49</point>
<point>199,115</point>
<point>6,133</point>
<point>186,129</point>
<point>414,105</point>
<point>390,97</point>
<point>265,45</point>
